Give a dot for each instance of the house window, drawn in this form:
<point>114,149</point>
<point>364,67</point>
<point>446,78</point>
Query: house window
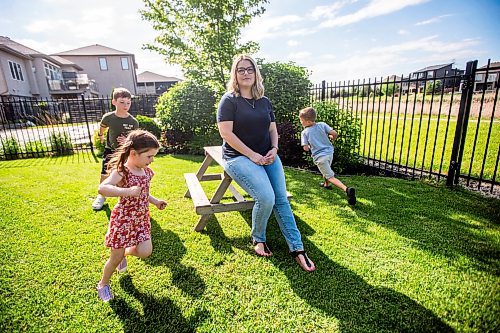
<point>15,71</point>
<point>103,64</point>
<point>430,74</point>
<point>125,63</point>
<point>52,72</point>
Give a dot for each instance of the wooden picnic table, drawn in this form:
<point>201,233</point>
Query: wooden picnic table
<point>204,207</point>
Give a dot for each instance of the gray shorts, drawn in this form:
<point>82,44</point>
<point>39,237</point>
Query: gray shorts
<point>324,164</point>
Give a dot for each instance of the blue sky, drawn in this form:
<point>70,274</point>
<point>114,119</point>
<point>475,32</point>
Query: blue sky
<point>335,40</point>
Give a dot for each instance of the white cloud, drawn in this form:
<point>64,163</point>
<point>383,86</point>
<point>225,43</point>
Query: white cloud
<point>403,32</point>
<point>433,20</point>
<point>292,43</point>
<point>271,27</point>
<point>299,55</point>
<point>329,11</point>
<point>427,44</point>
<point>373,9</point>
<point>397,59</point>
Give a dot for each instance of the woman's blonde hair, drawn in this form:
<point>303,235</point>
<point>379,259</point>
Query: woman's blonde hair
<point>232,84</point>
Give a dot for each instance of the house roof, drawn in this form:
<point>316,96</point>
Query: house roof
<point>153,77</point>
<point>66,62</point>
<point>19,49</point>
<point>433,68</point>
<point>92,50</point>
<point>493,64</point>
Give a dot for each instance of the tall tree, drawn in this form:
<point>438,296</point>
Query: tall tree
<point>201,36</point>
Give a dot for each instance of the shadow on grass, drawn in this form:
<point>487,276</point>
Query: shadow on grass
<point>441,221</point>
<point>219,241</point>
<point>344,295</point>
<point>158,314</point>
<point>168,250</point>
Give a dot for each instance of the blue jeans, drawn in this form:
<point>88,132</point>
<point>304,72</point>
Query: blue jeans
<point>266,185</point>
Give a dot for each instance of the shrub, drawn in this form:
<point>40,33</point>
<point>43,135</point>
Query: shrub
<point>288,88</point>
<point>187,112</point>
<point>150,125</point>
<point>98,145</point>
<point>348,128</point>
<point>291,152</point>
<point>9,148</point>
<point>61,143</point>
<point>35,149</point>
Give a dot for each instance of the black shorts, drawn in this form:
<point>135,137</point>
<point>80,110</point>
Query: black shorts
<point>106,156</point>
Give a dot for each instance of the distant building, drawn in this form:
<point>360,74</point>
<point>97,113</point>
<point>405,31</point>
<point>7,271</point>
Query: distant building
<point>109,67</point>
<point>149,83</point>
<point>493,79</point>
<point>25,72</point>
<point>433,73</point>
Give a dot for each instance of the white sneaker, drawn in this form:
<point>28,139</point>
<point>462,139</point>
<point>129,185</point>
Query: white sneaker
<point>98,202</point>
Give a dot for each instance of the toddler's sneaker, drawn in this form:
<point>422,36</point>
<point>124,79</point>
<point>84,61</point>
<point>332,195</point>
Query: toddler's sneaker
<point>104,293</point>
<point>122,267</point>
<point>351,195</point>
<point>98,202</point>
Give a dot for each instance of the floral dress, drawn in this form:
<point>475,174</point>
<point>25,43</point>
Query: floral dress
<point>129,223</point>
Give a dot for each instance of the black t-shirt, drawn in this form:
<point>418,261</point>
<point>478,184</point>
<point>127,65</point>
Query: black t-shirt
<point>250,125</point>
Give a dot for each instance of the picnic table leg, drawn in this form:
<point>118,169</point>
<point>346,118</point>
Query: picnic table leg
<point>219,193</point>
<point>201,171</point>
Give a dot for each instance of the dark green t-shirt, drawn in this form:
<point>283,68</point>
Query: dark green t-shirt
<point>117,126</point>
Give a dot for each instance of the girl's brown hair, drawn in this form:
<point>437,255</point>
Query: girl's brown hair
<point>138,140</point>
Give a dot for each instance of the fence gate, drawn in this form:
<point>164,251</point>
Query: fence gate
<point>466,153</point>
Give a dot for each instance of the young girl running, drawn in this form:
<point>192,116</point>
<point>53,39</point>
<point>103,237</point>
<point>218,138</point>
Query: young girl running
<point>129,231</point>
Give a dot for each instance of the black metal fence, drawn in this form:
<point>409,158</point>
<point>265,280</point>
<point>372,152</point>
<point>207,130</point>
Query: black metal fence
<point>441,126</point>
<point>444,126</point>
<point>42,127</point>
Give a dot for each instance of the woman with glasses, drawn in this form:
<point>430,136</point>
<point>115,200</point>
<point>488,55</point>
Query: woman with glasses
<point>247,125</point>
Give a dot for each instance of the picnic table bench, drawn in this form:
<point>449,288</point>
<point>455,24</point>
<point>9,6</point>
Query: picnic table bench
<point>202,205</point>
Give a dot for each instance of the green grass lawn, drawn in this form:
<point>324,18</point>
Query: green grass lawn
<point>408,257</point>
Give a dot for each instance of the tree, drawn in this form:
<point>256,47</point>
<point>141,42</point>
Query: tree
<point>202,36</point>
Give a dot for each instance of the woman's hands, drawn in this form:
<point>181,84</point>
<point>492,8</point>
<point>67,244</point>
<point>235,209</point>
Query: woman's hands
<point>264,160</point>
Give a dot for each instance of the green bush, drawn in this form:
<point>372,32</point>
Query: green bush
<point>60,143</point>
<point>187,112</point>
<point>35,149</point>
<point>9,148</point>
<point>98,145</point>
<point>348,128</point>
<point>288,87</point>
<point>150,125</point>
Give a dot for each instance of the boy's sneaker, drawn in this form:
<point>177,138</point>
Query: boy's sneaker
<point>104,293</point>
<point>98,202</point>
<point>122,267</point>
<point>351,195</point>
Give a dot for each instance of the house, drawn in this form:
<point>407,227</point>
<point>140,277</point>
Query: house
<point>109,67</point>
<point>435,73</point>
<point>493,79</point>
<point>27,73</point>
<point>149,83</point>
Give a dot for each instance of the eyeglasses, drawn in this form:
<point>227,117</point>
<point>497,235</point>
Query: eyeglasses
<point>242,70</point>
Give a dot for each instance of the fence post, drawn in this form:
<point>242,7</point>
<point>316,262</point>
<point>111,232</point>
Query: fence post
<point>462,120</point>
<point>88,127</point>
<point>323,90</point>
